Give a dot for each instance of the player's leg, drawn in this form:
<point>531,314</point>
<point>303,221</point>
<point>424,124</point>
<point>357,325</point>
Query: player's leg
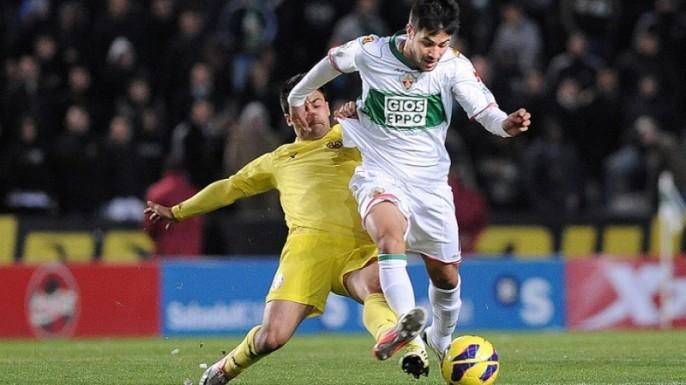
<point>444,295</point>
<point>386,224</point>
<point>434,235</point>
<point>363,286</point>
<point>300,288</point>
<point>281,319</point>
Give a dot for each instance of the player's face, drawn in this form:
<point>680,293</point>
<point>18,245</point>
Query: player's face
<point>317,115</point>
<point>424,49</point>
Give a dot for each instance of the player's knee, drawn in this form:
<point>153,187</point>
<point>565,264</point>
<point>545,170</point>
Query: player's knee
<point>445,279</point>
<point>272,340</point>
<point>445,282</point>
<point>389,243</point>
<point>372,284</point>
<point>443,276</point>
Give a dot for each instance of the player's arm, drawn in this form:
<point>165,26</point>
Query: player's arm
<point>255,178</point>
<point>479,103</point>
<point>339,60</point>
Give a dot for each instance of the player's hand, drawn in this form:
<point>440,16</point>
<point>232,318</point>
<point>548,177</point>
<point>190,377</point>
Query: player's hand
<point>156,212</point>
<point>517,122</point>
<point>346,111</point>
<point>299,118</point>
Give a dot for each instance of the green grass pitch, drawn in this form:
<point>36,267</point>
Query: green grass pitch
<point>526,358</point>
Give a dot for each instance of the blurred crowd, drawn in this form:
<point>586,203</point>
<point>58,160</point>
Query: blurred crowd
<point>101,99</point>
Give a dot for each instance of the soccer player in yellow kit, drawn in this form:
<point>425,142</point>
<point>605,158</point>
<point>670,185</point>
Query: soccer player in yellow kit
<point>327,249</point>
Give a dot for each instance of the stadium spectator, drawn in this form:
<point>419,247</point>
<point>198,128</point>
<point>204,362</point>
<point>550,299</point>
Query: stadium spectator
<point>479,20</point>
<point>650,100</point>
<point>668,22</point>
<point>151,145</point>
<point>251,27</point>
<point>181,239</point>
<point>517,45</point>
<point>27,172</point>
<point>571,108</point>
<point>121,65</point>
<point>198,143</point>
<point>551,174</point>
<point>576,63</point>
<point>72,32</point>
<point>77,162</point>
<point>122,170</point>
<point>598,20</point>
<point>604,111</point>
<point>45,52</point>
<point>247,140</point>
<point>259,86</point>
<point>138,98</point>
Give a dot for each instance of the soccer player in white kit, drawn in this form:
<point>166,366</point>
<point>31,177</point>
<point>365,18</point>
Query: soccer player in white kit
<point>409,83</point>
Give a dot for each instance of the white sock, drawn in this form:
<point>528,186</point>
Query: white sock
<point>446,308</point>
<point>395,282</point>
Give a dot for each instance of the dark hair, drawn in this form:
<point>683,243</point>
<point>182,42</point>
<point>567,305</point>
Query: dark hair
<point>435,16</point>
<point>286,88</point>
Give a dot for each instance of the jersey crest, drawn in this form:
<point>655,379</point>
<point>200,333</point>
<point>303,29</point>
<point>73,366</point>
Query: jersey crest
<point>408,80</point>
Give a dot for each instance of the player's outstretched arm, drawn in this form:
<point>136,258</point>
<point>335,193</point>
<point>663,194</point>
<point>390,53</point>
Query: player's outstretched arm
<point>517,122</point>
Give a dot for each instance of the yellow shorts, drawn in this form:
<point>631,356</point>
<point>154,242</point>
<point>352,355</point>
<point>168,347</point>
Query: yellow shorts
<point>314,263</point>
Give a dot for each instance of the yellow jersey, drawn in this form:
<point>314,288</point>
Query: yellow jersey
<point>312,179</point>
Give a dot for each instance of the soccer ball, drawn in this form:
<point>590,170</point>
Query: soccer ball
<point>470,360</point>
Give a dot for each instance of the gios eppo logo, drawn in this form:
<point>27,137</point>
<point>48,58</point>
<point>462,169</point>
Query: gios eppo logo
<point>52,301</point>
<point>405,111</point>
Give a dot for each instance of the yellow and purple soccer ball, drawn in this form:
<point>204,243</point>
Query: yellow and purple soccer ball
<point>470,360</point>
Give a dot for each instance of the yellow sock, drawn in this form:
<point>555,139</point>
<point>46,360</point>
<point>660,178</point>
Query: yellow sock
<point>377,315</point>
<point>243,355</point>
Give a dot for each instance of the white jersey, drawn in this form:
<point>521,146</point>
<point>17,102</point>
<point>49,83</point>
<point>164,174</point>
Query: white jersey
<point>406,112</point>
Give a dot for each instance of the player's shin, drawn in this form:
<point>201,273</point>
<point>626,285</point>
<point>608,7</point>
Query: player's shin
<point>377,315</point>
<point>395,282</point>
<point>446,306</point>
<point>243,355</point>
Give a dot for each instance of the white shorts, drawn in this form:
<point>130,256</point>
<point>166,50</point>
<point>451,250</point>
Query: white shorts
<point>432,227</point>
